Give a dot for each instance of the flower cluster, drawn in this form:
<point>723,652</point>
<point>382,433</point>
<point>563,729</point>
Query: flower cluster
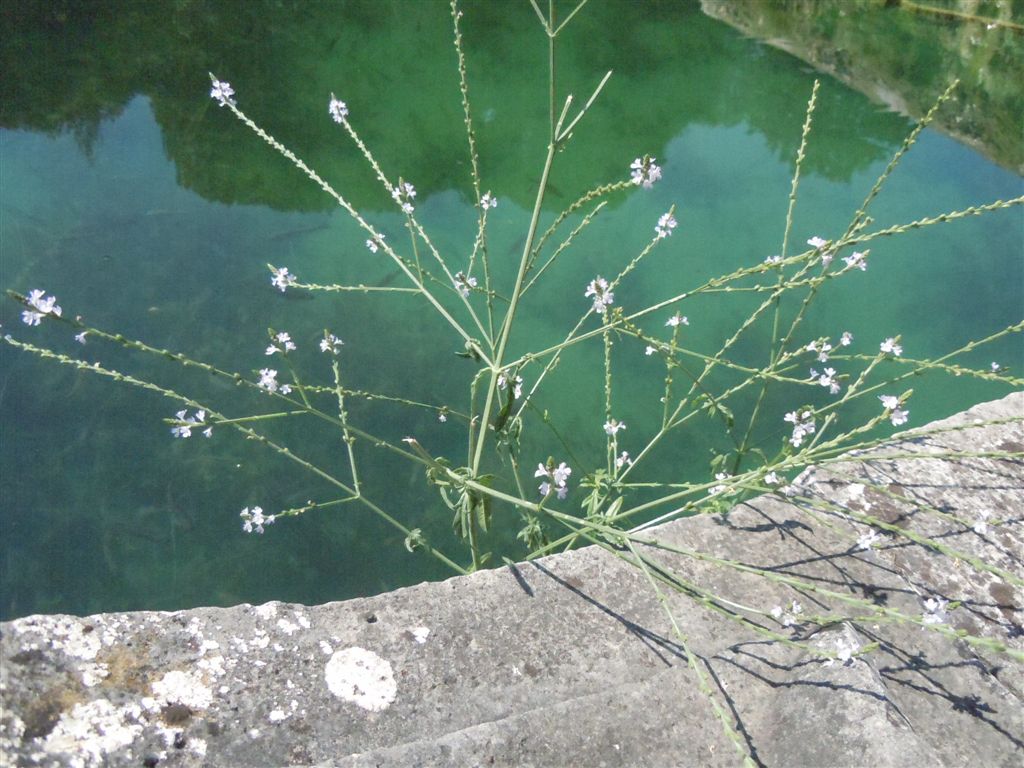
<point>464,284</point>
<point>281,278</point>
<point>268,381</point>
<point>897,415</point>
<point>856,259</point>
<point>603,298</point>
<point>517,384</point>
<point>845,649</point>
<point>222,92</point>
<point>644,172</point>
<point>771,260</point>
<point>721,487</point>
<point>555,477</point>
<point>803,425</point>
<point>337,109</point>
<point>488,201</point>
<point>375,242</point>
<point>612,427</point>
<point>665,225</point>
<point>821,348</point>
<point>819,244</point>
<point>187,423</point>
<point>623,460</point>
<point>254,519</point>
<point>676,320</point>
<point>330,343</point>
<point>891,347</point>
<point>403,194</point>
<point>41,305</point>
<point>827,379</point>
<point>281,342</point>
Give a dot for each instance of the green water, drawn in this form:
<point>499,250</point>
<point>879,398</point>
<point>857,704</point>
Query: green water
<point>144,208</point>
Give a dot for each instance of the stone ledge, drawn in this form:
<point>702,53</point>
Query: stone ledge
<point>570,660</point>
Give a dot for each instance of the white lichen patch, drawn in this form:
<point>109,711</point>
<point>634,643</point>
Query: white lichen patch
<point>361,677</point>
<point>287,627</point>
<point>92,673</point>
<point>90,732</point>
<point>66,634</point>
<point>325,648</point>
<point>267,611</point>
<point>179,687</point>
<point>303,621</point>
<point>420,634</point>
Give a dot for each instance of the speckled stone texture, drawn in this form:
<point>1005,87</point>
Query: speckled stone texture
<point>572,661</point>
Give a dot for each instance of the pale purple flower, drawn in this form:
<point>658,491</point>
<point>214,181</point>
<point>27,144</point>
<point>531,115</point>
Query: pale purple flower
<point>80,337</point>
<point>186,423</point>
<point>555,477</point>
<point>676,320</point>
<point>375,242</point>
<point>254,519</point>
<point>330,343</point>
<point>442,417</point>
<point>821,348</point>
<point>282,343</point>
<point>517,385</point>
<point>623,460</point>
<point>846,339</point>
<point>787,617</point>
<point>981,526</point>
<point>771,260</point>
<point>856,259</point>
<point>222,92</point>
<point>845,649</point>
<point>644,172</point>
<point>281,278</point>
<point>337,109</point>
<point>403,194</point>
<point>603,298</point>
<point>464,284</point>
<point>996,367</point>
<point>665,225</point>
<point>803,425</point>
<point>772,479</point>
<point>897,415</point>
<point>649,350</point>
<point>488,201</point>
<point>30,317</point>
<point>41,305</point>
<point>721,487</point>
<point>612,427</point>
<point>817,242</point>
<point>828,379</point>
<point>890,346</point>
<point>268,380</point>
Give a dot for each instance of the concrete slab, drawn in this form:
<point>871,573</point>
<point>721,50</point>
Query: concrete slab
<point>572,660</point>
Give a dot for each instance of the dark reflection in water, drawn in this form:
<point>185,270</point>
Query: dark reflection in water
<point>145,208</point>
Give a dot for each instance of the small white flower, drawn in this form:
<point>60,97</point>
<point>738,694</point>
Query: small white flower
<point>403,194</point>
<point>665,225</point>
<point>996,367</point>
<point>330,343</point>
<point>282,343</point>
<point>676,320</point>
<point>222,92</point>
<point>845,649</point>
<point>187,423</point>
<point>856,259</point>
<point>623,460</point>
<point>897,415</point>
<point>817,242</point>
<point>442,417</point>
<point>375,242</point>
<point>41,305</point>
<point>845,339</point>
<point>644,172</point>
<point>80,337</point>
<point>337,109</point>
<point>555,477</point>
<point>517,385</point>
<point>803,425</point>
<point>603,298</point>
<point>464,284</point>
<point>827,379</point>
<point>787,617</point>
<point>268,380</point>
<point>29,317</point>
<point>254,519</point>
<point>612,427</point>
<point>772,479</point>
<point>649,350</point>
<point>821,348</point>
<point>721,487</point>
<point>488,201</point>
<point>772,259</point>
<point>282,278</point>
<point>891,347</point>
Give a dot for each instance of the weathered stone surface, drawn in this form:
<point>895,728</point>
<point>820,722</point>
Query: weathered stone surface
<point>572,660</point>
